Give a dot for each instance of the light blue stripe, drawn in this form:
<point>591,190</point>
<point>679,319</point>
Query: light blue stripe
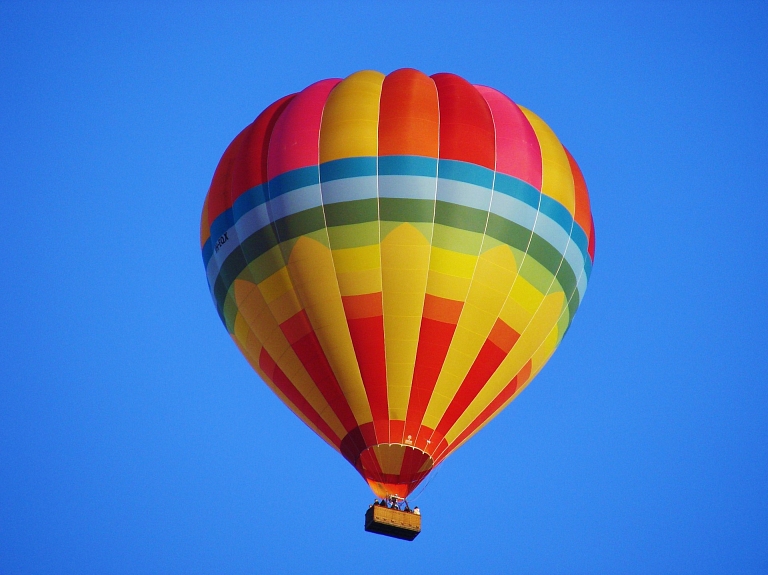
<point>349,189</point>
<point>249,200</point>
<point>556,211</point>
<point>551,231</point>
<point>514,210</point>
<point>408,187</point>
<point>294,202</point>
<point>463,194</point>
<point>516,188</point>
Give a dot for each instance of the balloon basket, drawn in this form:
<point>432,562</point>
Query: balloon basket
<point>392,522</point>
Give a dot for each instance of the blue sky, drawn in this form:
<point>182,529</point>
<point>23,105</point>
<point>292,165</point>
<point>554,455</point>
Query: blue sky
<point>134,437</point>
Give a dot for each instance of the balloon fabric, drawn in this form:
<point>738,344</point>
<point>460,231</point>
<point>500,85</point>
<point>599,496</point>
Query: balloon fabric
<point>397,257</point>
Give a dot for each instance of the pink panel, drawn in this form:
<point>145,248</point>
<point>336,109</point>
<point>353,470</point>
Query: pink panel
<point>294,141</point>
<point>517,150</point>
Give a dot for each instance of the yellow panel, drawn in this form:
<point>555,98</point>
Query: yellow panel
<point>265,331</point>
<point>350,125</point>
<point>312,271</point>
<point>452,263</point>
<point>404,268</point>
<point>447,286</point>
<point>557,179</point>
<point>358,283</point>
<point>527,296</point>
<point>530,340</point>
<point>276,285</point>
<point>357,259</point>
<point>390,458</point>
<point>477,318</point>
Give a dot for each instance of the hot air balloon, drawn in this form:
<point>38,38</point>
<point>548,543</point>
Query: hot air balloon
<point>397,257</point>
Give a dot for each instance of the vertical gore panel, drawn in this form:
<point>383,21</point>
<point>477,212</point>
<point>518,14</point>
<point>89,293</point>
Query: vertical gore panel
<point>583,215</point>
<point>408,126</point>
<point>556,177</point>
<point>218,195</point>
<point>350,129</point>
<point>351,118</point>
<point>517,149</point>
<point>294,139</point>
<point>466,124</point>
<point>250,167</point>
<point>409,119</point>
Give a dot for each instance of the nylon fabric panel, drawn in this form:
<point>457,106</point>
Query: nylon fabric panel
<point>260,321</point>
<point>351,118</point>
<point>466,126</point>
<point>349,129</point>
<point>495,400</point>
<point>583,214</point>
<point>456,258</point>
<point>409,124</point>
<point>556,177</point>
<point>410,116</point>
<point>294,144</point>
<point>253,312</point>
<point>517,149</point>
<point>250,167</point>
<point>307,293</point>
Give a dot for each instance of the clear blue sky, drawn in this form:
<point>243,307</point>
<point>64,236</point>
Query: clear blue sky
<point>134,438</point>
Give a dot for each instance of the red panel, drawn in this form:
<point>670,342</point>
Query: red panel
<point>396,429</point>
<point>503,336</point>
<point>485,364</point>
<point>369,434</point>
<point>218,194</point>
<point>434,340</point>
<point>408,115</point>
<point>583,214</point>
<point>304,342</point>
<point>368,341</point>
<point>250,167</point>
<point>281,381</point>
<point>466,124</point>
<point>489,411</point>
<point>361,306</point>
<point>295,138</point>
<point>442,309</point>
<point>518,153</point>
<point>591,247</point>
<point>382,430</point>
<point>366,328</point>
<point>296,327</point>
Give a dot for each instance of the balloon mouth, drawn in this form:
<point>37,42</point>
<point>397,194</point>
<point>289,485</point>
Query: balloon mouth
<point>393,468</point>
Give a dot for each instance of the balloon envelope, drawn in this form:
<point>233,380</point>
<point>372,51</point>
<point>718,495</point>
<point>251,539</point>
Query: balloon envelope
<point>397,256</point>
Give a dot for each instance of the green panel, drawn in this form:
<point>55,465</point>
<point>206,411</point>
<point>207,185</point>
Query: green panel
<point>346,213</point>
<point>511,233</point>
<point>354,236</point>
<point>457,240</point>
<point>425,229</point>
<point>406,210</point>
<point>536,274</point>
<point>300,224</point>
<point>266,265</point>
<point>461,217</point>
